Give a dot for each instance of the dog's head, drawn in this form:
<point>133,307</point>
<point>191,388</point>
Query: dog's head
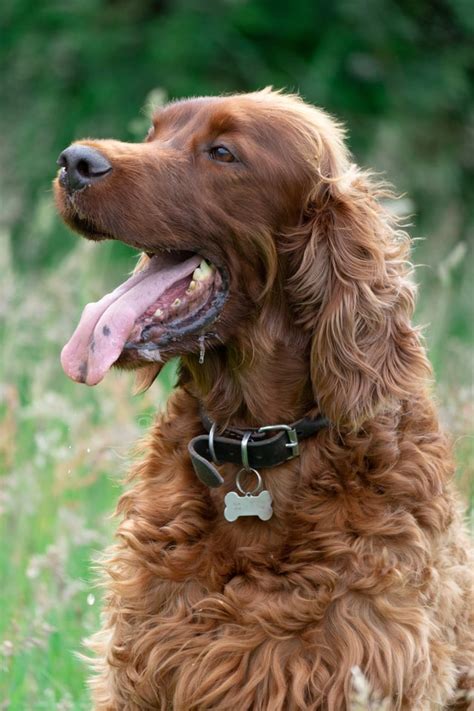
<point>244,206</point>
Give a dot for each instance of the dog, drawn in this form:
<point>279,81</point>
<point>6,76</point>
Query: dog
<point>294,516</point>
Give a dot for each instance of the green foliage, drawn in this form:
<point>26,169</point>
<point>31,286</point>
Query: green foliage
<point>398,74</point>
<point>64,451</point>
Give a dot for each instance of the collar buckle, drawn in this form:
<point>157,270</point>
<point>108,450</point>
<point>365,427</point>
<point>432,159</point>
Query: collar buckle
<point>292,437</point>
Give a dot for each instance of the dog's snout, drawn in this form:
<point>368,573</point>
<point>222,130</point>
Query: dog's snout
<point>82,166</point>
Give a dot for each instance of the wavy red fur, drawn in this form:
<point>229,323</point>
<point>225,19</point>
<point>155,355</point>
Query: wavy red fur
<point>365,561</point>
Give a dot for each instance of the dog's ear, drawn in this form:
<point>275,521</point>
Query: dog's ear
<point>349,288</point>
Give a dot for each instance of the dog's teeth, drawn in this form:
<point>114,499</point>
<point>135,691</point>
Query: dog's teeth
<point>203,271</point>
<point>176,303</point>
<point>206,268</point>
<point>191,287</point>
<point>158,313</point>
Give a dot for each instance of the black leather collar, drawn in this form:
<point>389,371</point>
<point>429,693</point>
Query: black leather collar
<point>236,445</point>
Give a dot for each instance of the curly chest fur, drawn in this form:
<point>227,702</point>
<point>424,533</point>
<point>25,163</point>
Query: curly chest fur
<point>209,614</point>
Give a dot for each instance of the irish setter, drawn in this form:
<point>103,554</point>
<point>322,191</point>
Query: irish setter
<point>272,269</point>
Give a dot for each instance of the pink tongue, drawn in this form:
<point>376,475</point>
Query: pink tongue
<point>105,325</point>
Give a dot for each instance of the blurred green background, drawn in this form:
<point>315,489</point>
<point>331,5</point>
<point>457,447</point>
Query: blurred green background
<point>399,74</point>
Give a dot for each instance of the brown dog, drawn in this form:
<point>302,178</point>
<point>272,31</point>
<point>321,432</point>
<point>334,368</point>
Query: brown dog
<point>255,569</point>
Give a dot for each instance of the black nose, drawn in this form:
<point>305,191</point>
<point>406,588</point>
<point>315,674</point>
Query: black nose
<point>82,166</point>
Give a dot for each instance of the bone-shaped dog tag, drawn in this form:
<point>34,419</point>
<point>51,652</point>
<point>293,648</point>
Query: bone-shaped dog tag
<point>248,505</point>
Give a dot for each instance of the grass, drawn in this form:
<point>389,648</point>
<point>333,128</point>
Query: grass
<point>64,449</point>
<point>63,452</point>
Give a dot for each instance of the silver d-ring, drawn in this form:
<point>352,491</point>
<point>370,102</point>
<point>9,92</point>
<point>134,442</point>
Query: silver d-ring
<point>211,443</point>
<point>240,487</point>
<point>244,452</point>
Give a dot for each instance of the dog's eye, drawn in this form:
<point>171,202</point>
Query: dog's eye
<point>222,154</point>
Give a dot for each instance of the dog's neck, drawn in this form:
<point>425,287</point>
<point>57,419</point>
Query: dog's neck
<point>263,379</point>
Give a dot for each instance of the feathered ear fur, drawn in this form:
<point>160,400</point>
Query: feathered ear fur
<point>350,290</point>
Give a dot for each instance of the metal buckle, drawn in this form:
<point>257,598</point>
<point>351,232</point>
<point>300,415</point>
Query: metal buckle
<point>292,436</point>
<point>211,443</point>
<point>244,454</point>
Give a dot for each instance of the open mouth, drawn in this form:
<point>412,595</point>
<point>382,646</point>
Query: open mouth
<point>177,296</point>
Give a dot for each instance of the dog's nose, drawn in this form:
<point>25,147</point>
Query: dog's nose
<point>82,166</point>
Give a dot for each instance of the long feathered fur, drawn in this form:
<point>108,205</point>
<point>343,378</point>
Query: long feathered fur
<point>364,563</point>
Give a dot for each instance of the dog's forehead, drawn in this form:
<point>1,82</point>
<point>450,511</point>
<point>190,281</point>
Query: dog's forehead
<point>217,115</point>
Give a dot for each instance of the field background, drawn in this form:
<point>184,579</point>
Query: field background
<point>398,73</point>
